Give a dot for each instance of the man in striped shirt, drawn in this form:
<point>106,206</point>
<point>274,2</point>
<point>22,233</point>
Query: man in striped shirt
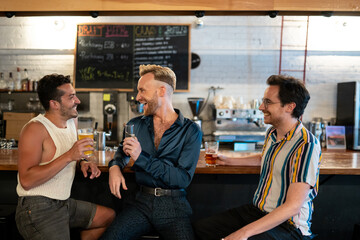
<point>283,202</point>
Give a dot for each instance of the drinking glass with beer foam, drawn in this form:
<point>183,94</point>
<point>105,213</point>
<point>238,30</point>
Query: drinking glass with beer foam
<point>86,133</point>
<point>211,148</point>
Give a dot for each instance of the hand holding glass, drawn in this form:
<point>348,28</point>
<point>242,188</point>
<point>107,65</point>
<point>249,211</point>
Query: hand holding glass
<point>129,130</point>
<point>86,133</point>
<point>210,149</point>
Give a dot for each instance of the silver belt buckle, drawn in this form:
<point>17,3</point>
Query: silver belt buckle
<point>157,192</point>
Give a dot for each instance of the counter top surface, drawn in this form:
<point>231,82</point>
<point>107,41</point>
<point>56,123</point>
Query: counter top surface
<point>337,162</point>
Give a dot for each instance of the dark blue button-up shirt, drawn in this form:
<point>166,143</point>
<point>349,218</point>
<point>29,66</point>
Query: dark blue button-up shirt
<point>173,164</point>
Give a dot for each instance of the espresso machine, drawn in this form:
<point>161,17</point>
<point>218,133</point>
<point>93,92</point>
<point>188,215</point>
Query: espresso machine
<point>196,106</point>
<point>244,128</point>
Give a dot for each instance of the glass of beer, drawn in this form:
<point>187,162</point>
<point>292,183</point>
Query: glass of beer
<point>129,130</point>
<point>86,133</point>
<point>210,149</point>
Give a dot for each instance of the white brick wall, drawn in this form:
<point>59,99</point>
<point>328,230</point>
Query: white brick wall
<point>237,53</point>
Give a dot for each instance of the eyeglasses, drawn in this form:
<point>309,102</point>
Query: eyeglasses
<point>268,102</point>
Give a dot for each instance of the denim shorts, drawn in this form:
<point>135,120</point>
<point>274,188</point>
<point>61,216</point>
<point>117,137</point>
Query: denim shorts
<point>39,217</point>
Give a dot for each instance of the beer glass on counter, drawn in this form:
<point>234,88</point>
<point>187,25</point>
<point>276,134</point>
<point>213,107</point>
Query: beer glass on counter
<point>129,130</point>
<point>211,148</point>
<point>86,133</point>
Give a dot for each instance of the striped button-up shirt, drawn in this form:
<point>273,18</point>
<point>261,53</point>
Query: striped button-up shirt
<point>295,158</point>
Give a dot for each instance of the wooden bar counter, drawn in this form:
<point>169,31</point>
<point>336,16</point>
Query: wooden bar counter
<point>334,162</point>
<point>215,189</point>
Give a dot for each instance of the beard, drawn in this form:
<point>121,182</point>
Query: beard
<point>151,105</point>
<point>273,120</point>
<point>69,113</point>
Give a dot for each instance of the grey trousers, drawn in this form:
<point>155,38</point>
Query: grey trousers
<point>44,218</point>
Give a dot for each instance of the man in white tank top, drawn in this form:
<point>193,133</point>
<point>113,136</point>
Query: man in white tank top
<point>48,154</point>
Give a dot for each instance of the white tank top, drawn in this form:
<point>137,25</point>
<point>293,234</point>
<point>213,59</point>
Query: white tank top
<point>59,186</point>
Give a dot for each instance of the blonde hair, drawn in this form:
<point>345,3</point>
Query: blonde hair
<point>162,74</point>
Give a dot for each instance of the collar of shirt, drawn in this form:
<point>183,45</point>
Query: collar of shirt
<point>179,121</point>
<point>288,136</point>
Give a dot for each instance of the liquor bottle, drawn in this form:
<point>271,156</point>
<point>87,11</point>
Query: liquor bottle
<point>18,80</point>
<point>323,133</point>
<point>25,81</point>
<point>11,83</point>
<point>3,84</point>
<point>35,85</point>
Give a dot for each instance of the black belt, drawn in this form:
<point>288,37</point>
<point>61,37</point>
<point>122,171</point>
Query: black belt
<point>163,192</point>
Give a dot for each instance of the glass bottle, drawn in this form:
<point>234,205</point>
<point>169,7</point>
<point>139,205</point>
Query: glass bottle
<point>11,104</point>
<point>11,83</point>
<point>323,133</point>
<point>3,84</point>
<point>35,85</point>
<point>18,80</point>
<point>25,81</point>
<point>29,104</point>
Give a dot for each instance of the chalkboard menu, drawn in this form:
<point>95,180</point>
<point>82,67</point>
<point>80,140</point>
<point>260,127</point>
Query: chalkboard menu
<point>108,55</point>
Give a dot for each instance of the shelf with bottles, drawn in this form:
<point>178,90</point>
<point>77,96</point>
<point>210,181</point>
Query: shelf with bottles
<point>20,83</point>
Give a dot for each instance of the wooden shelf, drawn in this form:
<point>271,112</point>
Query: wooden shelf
<point>177,7</point>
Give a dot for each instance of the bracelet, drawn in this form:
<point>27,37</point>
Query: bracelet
<point>81,160</point>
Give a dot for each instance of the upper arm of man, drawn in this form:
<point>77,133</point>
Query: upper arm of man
<point>297,194</point>
<point>30,146</point>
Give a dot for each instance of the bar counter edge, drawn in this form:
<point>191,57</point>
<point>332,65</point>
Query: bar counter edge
<point>334,162</point>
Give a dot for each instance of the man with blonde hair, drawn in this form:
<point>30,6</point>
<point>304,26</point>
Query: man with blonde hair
<point>165,153</point>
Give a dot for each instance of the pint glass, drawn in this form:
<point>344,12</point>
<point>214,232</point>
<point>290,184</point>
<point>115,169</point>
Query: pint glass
<point>86,133</point>
<point>210,149</point>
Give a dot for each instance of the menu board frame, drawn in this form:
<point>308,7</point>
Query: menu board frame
<point>96,61</point>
